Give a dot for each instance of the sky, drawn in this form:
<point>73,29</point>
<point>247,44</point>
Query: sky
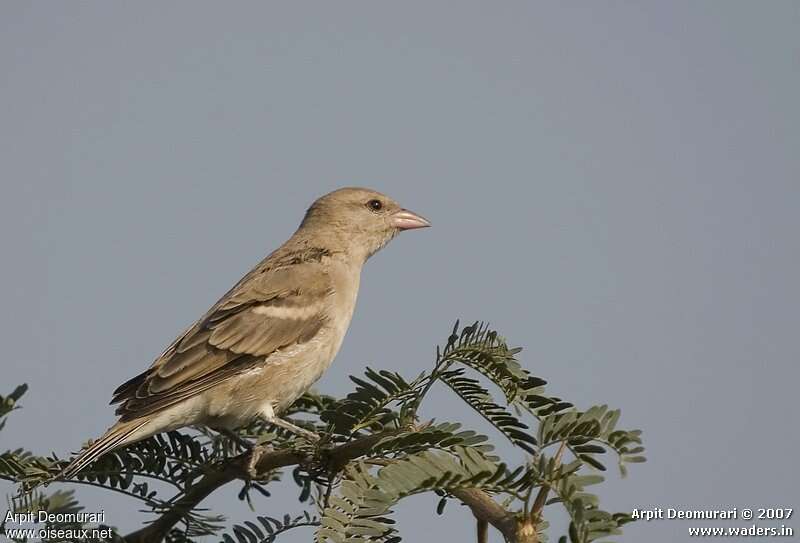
<point>614,186</point>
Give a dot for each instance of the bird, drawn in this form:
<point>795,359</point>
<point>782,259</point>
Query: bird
<point>269,338</point>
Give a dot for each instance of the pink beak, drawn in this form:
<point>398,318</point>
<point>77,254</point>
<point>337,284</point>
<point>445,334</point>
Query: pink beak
<point>406,220</point>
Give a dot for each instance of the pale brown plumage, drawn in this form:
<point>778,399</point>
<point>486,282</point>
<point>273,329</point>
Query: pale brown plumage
<point>265,342</point>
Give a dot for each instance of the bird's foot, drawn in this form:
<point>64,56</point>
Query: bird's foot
<point>249,467</point>
<point>252,457</point>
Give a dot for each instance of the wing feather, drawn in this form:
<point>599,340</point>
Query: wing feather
<point>270,309</point>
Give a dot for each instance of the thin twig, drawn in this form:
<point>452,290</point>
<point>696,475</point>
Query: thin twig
<point>483,531</point>
<point>541,498</point>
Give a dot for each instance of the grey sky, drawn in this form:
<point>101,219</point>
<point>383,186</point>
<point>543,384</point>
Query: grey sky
<point>614,186</point>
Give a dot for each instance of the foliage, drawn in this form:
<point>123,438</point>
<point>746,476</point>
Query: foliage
<point>352,500</point>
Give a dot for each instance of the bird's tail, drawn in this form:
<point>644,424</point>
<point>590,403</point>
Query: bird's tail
<point>118,435</point>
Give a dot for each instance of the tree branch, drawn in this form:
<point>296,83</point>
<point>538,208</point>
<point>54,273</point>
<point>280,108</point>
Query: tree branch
<point>483,531</point>
<point>236,468</point>
<point>508,523</point>
<point>514,528</point>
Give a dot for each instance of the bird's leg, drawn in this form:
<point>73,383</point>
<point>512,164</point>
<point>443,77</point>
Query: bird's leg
<point>268,414</point>
<point>302,432</point>
<point>253,452</point>
<point>236,438</point>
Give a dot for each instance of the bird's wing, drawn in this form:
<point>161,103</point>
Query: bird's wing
<point>271,308</point>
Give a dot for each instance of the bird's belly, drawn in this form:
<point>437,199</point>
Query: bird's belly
<point>272,386</point>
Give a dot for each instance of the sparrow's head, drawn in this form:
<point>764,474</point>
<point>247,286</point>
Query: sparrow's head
<point>362,220</point>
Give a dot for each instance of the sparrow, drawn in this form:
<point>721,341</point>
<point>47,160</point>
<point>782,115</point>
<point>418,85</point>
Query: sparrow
<point>269,338</point>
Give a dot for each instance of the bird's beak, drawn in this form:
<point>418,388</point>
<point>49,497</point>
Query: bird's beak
<point>406,220</point>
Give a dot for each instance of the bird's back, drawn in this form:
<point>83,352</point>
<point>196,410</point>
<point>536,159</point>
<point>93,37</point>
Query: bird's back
<point>281,325</point>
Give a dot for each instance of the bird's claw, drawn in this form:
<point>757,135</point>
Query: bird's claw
<point>252,457</point>
<point>311,437</point>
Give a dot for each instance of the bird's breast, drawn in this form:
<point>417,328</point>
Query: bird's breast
<point>345,281</point>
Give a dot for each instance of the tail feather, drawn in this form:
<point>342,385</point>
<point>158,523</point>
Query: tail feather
<point>117,436</point>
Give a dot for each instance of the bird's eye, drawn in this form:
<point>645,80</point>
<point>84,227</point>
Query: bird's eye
<point>375,205</point>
